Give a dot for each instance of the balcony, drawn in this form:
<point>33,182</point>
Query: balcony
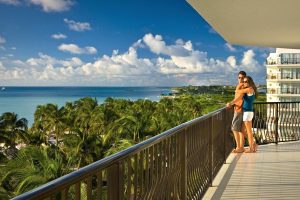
<point>295,91</point>
<point>273,61</point>
<point>283,61</point>
<point>283,76</point>
<point>182,162</point>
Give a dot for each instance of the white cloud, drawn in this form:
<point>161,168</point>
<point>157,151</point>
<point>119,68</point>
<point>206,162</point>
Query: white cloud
<point>248,62</point>
<point>127,64</point>
<point>58,36</point>
<point>183,58</point>
<point>78,26</point>
<point>158,46</point>
<point>231,61</point>
<point>11,2</point>
<point>53,5</point>
<point>73,48</point>
<point>173,64</point>
<point>47,5</point>
<point>44,60</point>
<point>230,47</point>
<point>2,40</point>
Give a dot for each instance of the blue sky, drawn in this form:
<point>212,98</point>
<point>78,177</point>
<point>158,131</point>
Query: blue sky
<point>117,43</point>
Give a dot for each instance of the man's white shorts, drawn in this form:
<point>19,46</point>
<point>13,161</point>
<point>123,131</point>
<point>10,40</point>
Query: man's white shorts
<point>247,116</point>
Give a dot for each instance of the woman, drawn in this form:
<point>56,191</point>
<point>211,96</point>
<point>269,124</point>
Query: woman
<point>249,90</point>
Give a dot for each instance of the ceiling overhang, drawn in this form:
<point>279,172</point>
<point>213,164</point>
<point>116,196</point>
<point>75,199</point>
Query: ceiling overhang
<point>268,23</point>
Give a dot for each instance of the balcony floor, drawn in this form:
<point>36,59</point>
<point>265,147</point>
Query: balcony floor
<point>271,173</point>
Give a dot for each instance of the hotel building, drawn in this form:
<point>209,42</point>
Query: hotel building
<point>283,85</point>
<point>283,75</point>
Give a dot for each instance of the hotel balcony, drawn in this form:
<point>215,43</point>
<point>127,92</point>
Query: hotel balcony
<point>184,162</point>
<point>273,61</point>
<point>294,91</point>
<point>285,61</point>
<point>284,77</point>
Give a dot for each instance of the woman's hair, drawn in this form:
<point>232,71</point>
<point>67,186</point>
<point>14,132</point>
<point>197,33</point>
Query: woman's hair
<point>252,84</point>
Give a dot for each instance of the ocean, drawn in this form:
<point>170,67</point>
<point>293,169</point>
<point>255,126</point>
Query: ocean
<point>24,100</point>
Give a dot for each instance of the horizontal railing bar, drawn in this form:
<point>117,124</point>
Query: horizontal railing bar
<point>69,179</point>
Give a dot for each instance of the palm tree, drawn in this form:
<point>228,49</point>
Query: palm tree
<point>119,145</point>
<point>12,129</point>
<point>84,109</point>
<point>4,194</point>
<point>82,148</point>
<point>50,119</point>
<point>134,125</point>
<point>37,137</point>
<point>166,115</point>
<point>32,167</point>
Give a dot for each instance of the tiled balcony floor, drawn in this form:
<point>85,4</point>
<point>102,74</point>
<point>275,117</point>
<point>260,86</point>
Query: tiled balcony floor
<point>271,173</point>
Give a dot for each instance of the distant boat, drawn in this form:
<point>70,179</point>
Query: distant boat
<point>3,88</point>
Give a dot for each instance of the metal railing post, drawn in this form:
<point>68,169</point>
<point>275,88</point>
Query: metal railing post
<point>183,163</point>
<point>225,134</point>
<point>113,180</point>
<point>211,150</point>
<point>276,123</point>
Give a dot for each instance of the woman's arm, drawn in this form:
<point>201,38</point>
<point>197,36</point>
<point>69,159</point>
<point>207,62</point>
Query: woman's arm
<point>244,91</point>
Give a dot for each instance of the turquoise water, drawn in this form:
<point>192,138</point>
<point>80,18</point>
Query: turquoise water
<point>24,100</point>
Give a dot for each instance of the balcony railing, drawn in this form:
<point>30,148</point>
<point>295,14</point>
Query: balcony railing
<point>177,164</point>
<point>283,61</point>
<point>294,90</point>
<point>283,76</point>
<point>290,61</point>
<point>276,122</point>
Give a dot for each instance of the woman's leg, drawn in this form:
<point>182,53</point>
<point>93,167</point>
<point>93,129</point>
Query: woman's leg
<point>248,125</point>
<point>242,136</point>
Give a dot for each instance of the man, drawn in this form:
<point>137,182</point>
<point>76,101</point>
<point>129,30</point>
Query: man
<point>237,121</point>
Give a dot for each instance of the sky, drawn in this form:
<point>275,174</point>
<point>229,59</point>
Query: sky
<point>117,43</point>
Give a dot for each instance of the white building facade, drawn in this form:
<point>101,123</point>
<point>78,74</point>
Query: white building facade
<point>283,75</point>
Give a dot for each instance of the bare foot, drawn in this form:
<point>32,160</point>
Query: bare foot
<point>238,150</point>
<point>249,151</point>
<point>255,146</point>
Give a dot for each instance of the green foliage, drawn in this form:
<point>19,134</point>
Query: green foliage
<point>12,129</point>
<point>32,166</point>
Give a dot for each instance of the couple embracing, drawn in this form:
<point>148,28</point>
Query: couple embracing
<point>245,94</point>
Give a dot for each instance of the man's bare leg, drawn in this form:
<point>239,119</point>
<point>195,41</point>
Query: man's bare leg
<point>239,138</point>
<point>242,136</point>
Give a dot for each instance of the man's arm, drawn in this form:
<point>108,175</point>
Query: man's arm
<point>238,97</point>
